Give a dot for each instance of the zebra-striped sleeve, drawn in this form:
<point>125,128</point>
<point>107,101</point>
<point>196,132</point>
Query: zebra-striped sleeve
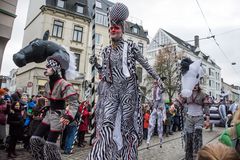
<point>139,57</point>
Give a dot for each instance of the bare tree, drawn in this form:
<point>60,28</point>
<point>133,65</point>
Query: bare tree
<point>167,66</point>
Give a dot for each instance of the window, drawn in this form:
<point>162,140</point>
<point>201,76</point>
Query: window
<point>101,19</point>
<point>60,3</point>
<point>98,38</point>
<point>77,61</point>
<point>77,34</point>
<point>210,83</point>
<point>79,9</point>
<point>135,30</point>
<point>140,45</point>
<point>57,29</point>
<point>98,4</point>
<point>211,73</point>
<point>105,20</point>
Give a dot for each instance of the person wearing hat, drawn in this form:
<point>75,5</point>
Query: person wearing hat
<point>15,121</point>
<point>62,97</point>
<point>195,104</point>
<point>159,113</point>
<point>119,71</point>
<point>60,94</point>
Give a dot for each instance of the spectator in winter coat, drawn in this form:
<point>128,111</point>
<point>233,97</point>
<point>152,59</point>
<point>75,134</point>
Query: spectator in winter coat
<point>15,121</point>
<point>168,120</point>
<point>17,95</point>
<point>84,122</point>
<point>3,118</point>
<point>146,118</point>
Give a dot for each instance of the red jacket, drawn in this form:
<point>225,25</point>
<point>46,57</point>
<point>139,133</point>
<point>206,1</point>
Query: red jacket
<point>146,120</point>
<point>85,117</point>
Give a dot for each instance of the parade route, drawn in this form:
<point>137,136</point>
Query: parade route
<point>171,149</point>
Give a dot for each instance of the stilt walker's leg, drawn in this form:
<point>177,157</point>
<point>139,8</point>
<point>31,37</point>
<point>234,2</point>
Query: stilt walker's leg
<point>102,148</point>
<point>151,126</point>
<point>160,128</point>
<point>189,129</point>
<point>128,98</point>
<point>197,141</point>
<point>50,148</point>
<point>189,146</point>
<point>36,141</point>
<point>51,151</point>
<point>130,144</point>
<point>37,144</point>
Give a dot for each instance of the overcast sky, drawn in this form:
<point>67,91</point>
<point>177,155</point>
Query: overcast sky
<point>182,18</point>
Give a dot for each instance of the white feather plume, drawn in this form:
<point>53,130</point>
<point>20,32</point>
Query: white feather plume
<point>71,73</point>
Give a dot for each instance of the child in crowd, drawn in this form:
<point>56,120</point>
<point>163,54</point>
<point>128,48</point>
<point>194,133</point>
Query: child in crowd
<point>168,121</point>
<point>83,128</point>
<point>146,118</point>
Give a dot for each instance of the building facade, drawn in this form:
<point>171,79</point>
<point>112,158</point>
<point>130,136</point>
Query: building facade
<point>68,23</point>
<point>211,82</point>
<point>232,91</point>
<point>7,16</point>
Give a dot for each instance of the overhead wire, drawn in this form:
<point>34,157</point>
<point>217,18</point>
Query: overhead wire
<point>213,36</point>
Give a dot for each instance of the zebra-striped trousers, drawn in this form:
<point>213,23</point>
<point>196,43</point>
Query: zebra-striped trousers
<point>125,99</point>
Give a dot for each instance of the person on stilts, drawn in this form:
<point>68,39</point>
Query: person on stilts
<point>62,98</point>
<point>122,96</point>
<point>196,104</point>
<point>159,113</point>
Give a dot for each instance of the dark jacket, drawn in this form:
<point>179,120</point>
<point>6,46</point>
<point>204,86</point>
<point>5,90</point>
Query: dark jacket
<point>16,97</point>
<point>15,121</point>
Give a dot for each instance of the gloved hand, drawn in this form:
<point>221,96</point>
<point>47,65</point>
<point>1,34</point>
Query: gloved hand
<point>93,60</point>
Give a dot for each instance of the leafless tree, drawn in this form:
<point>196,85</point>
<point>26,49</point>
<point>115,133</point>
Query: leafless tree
<point>167,66</point>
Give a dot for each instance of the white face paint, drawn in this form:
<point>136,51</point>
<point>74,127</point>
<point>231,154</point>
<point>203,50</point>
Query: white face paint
<point>116,32</point>
<point>48,71</point>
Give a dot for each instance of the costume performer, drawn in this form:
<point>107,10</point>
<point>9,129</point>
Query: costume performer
<point>159,112</point>
<point>58,91</point>
<point>122,96</point>
<point>228,146</point>
<point>196,103</point>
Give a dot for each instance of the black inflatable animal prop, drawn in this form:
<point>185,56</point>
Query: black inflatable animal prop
<point>39,50</point>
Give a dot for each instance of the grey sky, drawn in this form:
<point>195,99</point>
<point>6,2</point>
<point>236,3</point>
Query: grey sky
<point>181,18</point>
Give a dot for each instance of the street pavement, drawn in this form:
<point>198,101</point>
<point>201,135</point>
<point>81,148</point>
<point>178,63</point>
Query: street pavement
<point>171,150</point>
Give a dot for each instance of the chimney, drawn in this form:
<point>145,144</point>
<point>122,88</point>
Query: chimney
<point>196,41</point>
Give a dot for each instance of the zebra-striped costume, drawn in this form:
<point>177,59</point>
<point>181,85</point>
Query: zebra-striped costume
<point>159,113</point>
<point>122,95</point>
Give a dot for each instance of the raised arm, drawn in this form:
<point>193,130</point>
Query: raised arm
<point>139,57</point>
